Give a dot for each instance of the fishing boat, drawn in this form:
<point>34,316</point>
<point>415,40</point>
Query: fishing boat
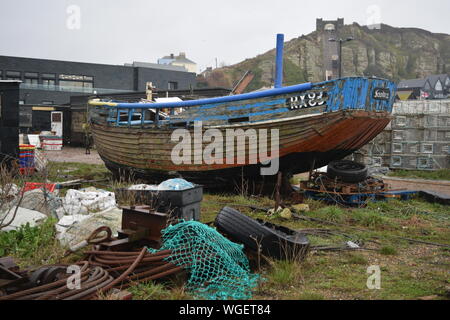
<point>316,123</point>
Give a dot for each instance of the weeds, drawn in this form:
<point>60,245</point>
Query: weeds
<point>388,251</point>
<point>284,273</point>
<point>32,245</point>
<point>443,174</point>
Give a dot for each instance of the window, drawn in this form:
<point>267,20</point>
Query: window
<point>447,135</point>
<point>1,74</point>
<point>21,102</point>
<point>413,149</point>
<point>396,161</point>
<point>400,121</point>
<point>173,85</point>
<point>13,75</point>
<point>445,149</point>
<point>31,75</point>
<point>123,116</point>
<point>438,86</point>
<point>77,81</point>
<point>31,80</point>
<point>427,148</point>
<point>47,102</point>
<point>48,76</point>
<point>48,82</point>
<point>397,148</point>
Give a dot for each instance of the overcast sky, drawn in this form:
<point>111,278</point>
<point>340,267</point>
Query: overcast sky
<point>120,31</point>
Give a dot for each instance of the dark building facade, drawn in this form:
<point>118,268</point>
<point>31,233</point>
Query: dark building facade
<point>9,120</point>
<point>54,82</point>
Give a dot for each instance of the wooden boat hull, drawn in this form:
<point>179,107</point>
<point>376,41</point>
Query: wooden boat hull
<point>324,122</point>
<point>323,138</point>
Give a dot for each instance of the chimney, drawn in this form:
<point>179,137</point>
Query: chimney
<point>171,56</point>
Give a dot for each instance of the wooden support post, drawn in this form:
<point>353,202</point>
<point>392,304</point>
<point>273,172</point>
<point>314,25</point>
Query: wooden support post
<point>156,117</point>
<point>311,170</point>
<point>277,190</point>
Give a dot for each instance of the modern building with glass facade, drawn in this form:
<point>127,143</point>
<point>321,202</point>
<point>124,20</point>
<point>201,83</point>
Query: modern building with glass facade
<point>53,82</point>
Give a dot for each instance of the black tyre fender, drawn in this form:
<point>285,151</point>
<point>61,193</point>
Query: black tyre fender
<point>275,241</point>
<point>347,171</point>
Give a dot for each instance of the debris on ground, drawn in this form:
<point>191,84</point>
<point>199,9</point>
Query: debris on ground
<point>39,200</point>
<point>286,214</point>
<point>175,184</point>
<point>22,216</point>
<point>9,191</point>
<point>218,268</point>
<point>76,228</point>
<point>263,237</point>
<point>86,201</point>
<point>378,171</point>
<point>301,207</point>
<point>143,187</point>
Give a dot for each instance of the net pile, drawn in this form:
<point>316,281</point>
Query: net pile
<point>218,268</point>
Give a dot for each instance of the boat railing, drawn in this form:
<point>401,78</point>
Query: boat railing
<point>118,110</point>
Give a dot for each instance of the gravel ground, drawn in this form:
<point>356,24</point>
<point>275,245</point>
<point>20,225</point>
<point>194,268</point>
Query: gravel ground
<point>71,154</point>
<point>442,187</point>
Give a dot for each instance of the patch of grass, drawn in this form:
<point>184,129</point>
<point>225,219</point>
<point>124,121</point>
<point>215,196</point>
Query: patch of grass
<point>357,259</point>
<point>332,214</point>
<point>388,251</point>
<point>312,296</point>
<point>443,174</point>
<point>32,246</point>
<point>158,291</point>
<point>284,273</point>
<point>368,218</point>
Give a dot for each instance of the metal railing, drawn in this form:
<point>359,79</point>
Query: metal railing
<point>33,86</point>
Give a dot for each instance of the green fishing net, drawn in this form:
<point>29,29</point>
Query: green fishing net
<point>218,268</point>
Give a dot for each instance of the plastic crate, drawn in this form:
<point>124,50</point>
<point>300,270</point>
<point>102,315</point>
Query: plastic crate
<point>34,185</point>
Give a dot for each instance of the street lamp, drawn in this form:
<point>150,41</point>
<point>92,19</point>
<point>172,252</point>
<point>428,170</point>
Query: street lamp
<point>340,41</point>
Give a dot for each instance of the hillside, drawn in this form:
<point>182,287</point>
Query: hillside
<point>394,53</point>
